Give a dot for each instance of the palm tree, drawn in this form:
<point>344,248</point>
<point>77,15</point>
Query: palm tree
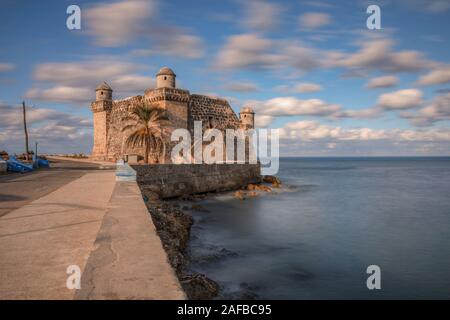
<point>149,124</point>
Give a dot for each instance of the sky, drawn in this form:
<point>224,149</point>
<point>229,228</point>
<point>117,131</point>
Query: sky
<point>312,69</point>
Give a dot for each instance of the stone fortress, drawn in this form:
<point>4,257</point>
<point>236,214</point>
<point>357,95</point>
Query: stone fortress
<point>182,109</point>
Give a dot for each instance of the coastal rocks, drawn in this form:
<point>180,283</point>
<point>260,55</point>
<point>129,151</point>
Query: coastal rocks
<point>253,194</point>
<point>212,254</point>
<point>259,187</point>
<point>240,195</point>
<point>174,227</point>
<point>254,190</point>
<point>243,194</point>
<point>199,287</point>
<point>276,182</point>
<point>197,207</point>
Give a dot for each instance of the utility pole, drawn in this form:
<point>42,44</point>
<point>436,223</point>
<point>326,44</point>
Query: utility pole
<point>25,129</point>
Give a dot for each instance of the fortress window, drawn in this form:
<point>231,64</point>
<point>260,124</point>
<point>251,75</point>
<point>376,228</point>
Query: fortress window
<point>165,78</point>
<point>210,122</point>
<point>101,92</point>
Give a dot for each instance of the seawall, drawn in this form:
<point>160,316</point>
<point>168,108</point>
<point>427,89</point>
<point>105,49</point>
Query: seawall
<point>174,180</point>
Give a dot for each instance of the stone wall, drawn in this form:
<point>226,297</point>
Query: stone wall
<point>171,180</point>
<point>213,112</point>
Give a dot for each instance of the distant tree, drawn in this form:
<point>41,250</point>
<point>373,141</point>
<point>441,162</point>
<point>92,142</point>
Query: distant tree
<point>149,129</point>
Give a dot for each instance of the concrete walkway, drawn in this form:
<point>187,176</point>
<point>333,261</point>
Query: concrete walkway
<point>92,222</point>
<point>41,239</point>
<point>17,190</point>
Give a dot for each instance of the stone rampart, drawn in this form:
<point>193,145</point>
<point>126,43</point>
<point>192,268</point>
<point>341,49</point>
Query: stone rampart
<point>174,180</point>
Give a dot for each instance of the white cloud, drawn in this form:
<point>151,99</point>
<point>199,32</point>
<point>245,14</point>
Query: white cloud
<point>433,6</point>
<point>61,94</point>
<point>307,87</point>
<point>4,67</point>
<point>75,82</point>
<point>377,55</point>
<point>401,99</point>
<point>262,121</point>
<point>119,23</point>
<point>294,58</point>
<point>89,73</point>
<point>367,113</point>
<point>438,76</point>
<point>313,20</point>
<point>248,51</point>
<point>261,15</point>
<point>382,82</point>
<point>241,87</point>
<point>56,131</point>
<point>291,106</point>
<point>255,52</point>
<point>114,24</point>
<point>174,41</point>
<point>438,109</point>
<point>314,130</point>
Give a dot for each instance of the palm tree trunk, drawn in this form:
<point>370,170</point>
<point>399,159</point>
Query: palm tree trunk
<point>164,153</point>
<point>145,151</point>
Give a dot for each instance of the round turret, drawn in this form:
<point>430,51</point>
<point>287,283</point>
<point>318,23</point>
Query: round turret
<point>165,78</point>
<point>103,92</point>
<point>247,117</point>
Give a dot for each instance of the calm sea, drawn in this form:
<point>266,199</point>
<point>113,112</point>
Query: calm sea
<point>315,238</point>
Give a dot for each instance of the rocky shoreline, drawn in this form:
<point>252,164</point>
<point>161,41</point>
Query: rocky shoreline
<point>174,227</point>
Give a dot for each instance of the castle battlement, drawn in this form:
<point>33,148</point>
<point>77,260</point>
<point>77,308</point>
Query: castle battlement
<point>169,94</point>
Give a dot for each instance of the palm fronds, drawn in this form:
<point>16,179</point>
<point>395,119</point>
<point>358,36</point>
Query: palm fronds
<point>149,128</point>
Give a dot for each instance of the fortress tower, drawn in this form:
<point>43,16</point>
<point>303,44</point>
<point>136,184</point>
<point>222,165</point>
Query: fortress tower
<point>247,118</point>
<point>173,100</point>
<point>101,109</point>
<point>165,78</point>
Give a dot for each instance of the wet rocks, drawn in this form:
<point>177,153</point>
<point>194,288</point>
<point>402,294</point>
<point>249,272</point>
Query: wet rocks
<point>259,187</point>
<point>240,195</point>
<point>276,182</point>
<point>212,254</point>
<point>199,287</point>
<point>174,227</point>
<point>197,207</point>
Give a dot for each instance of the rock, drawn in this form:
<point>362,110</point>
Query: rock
<point>253,194</point>
<point>185,208</point>
<point>265,188</point>
<point>240,195</point>
<point>199,287</point>
<point>251,186</point>
<point>259,187</point>
<point>198,207</point>
<point>276,185</point>
<point>276,182</point>
<point>173,227</point>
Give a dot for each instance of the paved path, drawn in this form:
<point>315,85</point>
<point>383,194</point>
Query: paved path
<point>40,239</point>
<point>76,214</point>
<point>18,189</point>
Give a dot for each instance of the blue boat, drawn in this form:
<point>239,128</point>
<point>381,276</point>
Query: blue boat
<point>15,165</point>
